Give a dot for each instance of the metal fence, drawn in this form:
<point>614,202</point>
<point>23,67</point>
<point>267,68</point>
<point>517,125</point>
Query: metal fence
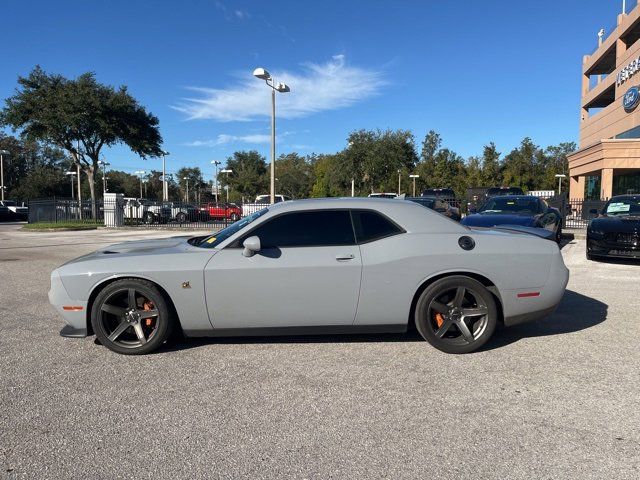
<point>576,213</point>
<point>149,213</point>
<point>139,213</point>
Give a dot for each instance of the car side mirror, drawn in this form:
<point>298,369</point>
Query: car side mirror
<point>251,246</point>
<point>594,211</point>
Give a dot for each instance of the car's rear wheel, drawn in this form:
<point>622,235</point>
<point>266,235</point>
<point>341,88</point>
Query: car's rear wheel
<point>149,217</point>
<point>131,316</point>
<point>181,217</point>
<point>235,217</point>
<point>559,234</point>
<point>456,314</point>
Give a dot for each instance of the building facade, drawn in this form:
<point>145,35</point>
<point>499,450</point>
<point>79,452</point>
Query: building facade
<point>607,162</point>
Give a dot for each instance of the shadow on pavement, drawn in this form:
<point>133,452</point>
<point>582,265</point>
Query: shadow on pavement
<point>576,312</point>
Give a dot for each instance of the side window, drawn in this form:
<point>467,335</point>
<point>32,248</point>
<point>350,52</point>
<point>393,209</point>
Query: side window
<point>370,226</point>
<point>306,229</point>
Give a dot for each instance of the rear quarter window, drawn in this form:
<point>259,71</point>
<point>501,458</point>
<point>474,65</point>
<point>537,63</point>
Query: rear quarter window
<point>370,226</point>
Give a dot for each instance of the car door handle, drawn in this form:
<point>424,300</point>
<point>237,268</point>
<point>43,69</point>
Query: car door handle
<point>349,256</point>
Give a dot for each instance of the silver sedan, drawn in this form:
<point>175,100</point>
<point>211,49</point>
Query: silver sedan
<point>314,266</point>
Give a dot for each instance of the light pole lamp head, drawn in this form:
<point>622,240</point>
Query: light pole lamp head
<point>4,152</point>
<point>262,74</point>
<point>216,162</point>
<point>283,88</point>
<point>226,170</point>
<point>560,175</point>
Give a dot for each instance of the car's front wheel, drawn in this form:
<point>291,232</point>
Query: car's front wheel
<point>131,316</point>
<point>235,217</point>
<point>456,314</point>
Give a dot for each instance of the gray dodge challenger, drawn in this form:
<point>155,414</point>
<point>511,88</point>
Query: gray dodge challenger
<point>314,266</point>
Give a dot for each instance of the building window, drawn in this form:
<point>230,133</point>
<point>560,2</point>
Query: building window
<point>627,183</point>
<point>592,187</point>
<point>632,133</point>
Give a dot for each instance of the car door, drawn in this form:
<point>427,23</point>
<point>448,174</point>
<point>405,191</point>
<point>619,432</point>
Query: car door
<point>307,273</point>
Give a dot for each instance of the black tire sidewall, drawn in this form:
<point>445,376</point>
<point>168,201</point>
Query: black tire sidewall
<point>436,289</point>
<point>165,322</point>
<point>181,217</point>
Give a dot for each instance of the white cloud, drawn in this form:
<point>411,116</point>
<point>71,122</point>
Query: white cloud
<point>224,139</point>
<point>319,87</point>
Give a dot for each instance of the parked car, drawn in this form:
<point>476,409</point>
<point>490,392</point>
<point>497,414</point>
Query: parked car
<point>146,211</point>
<point>616,231</point>
<point>183,212</point>
<point>519,211</point>
<point>446,193</point>
<point>260,202</point>
<point>438,205</point>
<point>223,211</point>
<point>477,196</point>
<point>11,210</point>
<point>315,266</point>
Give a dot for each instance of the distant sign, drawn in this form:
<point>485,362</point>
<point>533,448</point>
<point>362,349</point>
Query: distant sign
<point>628,71</point>
<point>631,99</point>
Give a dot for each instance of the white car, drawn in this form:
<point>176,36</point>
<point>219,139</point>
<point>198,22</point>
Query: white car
<point>13,210</point>
<point>260,202</point>
<point>314,266</point>
<point>146,211</point>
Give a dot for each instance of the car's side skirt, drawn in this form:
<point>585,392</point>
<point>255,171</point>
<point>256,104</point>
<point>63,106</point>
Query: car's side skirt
<point>278,331</point>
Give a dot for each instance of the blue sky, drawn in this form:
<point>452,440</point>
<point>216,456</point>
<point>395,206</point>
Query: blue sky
<point>473,71</point>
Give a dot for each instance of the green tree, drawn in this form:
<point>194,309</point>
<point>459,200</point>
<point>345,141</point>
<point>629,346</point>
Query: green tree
<point>294,176</point>
<point>249,177</point>
<point>373,158</point>
<point>519,168</point>
<point>80,116</point>
<point>330,177</point>
<point>190,183</point>
<point>491,167</point>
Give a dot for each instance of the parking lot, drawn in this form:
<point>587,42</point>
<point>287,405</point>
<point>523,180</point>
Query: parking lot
<point>558,398</point>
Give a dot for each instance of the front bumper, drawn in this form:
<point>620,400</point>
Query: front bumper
<point>603,247</point>
<point>76,317</point>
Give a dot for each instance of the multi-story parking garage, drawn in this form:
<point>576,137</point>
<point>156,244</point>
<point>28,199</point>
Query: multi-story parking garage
<point>608,160</point>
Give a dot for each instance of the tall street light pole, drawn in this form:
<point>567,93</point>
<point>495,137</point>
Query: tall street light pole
<point>104,176</point>
<point>71,174</point>
<point>262,74</point>
<point>414,183</point>
<point>227,171</point>
<point>2,154</point>
<point>216,163</point>
<point>187,179</point>
<point>399,179</point>
<point>140,173</point>
<point>560,176</point>
<point>165,185</point>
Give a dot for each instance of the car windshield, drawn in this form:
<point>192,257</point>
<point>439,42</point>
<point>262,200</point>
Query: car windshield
<point>510,205</point>
<point>623,208</point>
<point>219,237</point>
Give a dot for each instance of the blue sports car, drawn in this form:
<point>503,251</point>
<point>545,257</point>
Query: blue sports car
<point>519,212</point>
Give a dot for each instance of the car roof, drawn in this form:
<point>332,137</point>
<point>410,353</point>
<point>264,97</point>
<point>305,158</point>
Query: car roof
<point>634,197</point>
<point>409,215</point>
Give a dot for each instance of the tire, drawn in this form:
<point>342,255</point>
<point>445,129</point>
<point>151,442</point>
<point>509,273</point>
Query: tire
<point>440,314</point>
<point>131,330</point>
<point>149,217</point>
<point>234,217</point>
<point>181,217</point>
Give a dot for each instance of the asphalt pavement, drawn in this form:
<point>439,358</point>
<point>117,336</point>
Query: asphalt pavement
<point>559,398</point>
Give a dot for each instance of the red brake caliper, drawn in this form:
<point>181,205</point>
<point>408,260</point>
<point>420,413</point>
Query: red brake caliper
<point>437,316</point>
<point>148,306</point>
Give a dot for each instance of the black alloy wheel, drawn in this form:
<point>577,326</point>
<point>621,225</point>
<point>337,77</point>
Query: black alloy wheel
<point>181,217</point>
<point>131,316</point>
<point>149,217</point>
<point>235,217</point>
<point>456,314</point>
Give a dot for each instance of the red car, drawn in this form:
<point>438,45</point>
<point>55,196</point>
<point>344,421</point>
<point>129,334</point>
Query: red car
<point>224,211</point>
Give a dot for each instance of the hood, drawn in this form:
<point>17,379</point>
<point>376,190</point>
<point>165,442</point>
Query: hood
<point>138,247</point>
<point>616,224</point>
<point>492,220</point>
